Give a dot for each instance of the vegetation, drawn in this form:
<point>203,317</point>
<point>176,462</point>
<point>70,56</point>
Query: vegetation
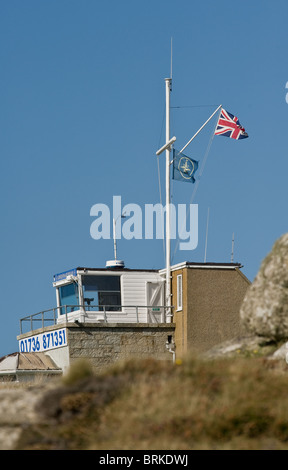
<point>239,403</point>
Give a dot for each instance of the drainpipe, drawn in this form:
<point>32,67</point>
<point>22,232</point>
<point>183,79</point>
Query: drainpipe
<point>171,347</point>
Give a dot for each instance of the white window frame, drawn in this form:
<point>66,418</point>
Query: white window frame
<point>179,292</point>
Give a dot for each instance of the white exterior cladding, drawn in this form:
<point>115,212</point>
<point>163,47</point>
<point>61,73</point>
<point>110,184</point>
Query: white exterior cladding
<point>134,287</point>
<point>140,289</point>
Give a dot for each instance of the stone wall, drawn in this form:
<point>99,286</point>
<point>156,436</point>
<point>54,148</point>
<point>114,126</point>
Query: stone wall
<point>105,344</point>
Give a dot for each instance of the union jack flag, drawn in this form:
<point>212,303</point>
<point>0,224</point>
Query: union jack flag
<point>229,126</point>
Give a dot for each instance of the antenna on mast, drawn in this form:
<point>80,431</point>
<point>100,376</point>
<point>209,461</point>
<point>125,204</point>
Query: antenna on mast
<point>232,252</point>
<point>115,263</point>
<point>171,58</point>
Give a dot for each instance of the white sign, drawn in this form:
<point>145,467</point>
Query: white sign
<point>44,341</point>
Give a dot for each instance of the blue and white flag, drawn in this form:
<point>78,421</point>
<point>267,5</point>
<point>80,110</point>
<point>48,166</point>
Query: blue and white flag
<point>184,167</point>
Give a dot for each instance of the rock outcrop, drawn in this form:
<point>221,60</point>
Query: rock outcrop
<point>264,311</point>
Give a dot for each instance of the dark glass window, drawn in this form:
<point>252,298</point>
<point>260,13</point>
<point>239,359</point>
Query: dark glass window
<point>102,291</point>
<point>69,296</point>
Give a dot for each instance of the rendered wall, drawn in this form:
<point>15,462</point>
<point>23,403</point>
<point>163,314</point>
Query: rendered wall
<point>211,304</point>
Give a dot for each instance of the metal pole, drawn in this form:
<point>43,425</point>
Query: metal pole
<point>114,237</point>
<point>168,242</point>
<point>206,235</point>
<point>81,298</point>
<point>201,128</point>
<point>105,316</point>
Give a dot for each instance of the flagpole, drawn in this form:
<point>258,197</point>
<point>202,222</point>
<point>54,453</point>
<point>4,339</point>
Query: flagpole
<point>220,106</point>
<point>168,82</point>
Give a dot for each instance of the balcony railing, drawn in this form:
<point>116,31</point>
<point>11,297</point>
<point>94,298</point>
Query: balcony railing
<point>104,313</point>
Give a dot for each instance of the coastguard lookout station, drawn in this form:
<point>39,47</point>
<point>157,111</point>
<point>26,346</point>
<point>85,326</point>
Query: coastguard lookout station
<point>113,294</point>
<point>115,313</point>
<point>102,314</point>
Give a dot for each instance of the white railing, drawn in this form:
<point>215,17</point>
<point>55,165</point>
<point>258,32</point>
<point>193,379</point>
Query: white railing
<point>90,313</point>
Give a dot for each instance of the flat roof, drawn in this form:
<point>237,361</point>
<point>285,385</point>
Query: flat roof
<point>195,265</point>
<point>211,265</point>
<point>118,269</point>
<point>184,264</point>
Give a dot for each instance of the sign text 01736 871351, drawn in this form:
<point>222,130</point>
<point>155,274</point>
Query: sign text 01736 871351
<point>44,341</point>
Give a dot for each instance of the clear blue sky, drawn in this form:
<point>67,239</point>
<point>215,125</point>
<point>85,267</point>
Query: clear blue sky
<point>82,99</point>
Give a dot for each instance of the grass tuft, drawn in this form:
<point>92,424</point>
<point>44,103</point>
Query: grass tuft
<point>237,403</point>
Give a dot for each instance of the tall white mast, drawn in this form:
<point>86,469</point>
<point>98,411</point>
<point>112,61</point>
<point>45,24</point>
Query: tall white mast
<point>167,147</point>
<point>168,82</point>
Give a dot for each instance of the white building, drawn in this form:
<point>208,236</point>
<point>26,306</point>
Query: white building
<point>112,294</point>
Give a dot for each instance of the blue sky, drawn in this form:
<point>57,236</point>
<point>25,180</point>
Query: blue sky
<point>82,100</point>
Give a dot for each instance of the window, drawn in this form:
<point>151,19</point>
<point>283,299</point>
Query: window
<point>102,291</point>
<point>179,292</point>
<point>68,296</point>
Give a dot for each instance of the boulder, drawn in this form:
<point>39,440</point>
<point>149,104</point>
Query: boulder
<point>264,311</point>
